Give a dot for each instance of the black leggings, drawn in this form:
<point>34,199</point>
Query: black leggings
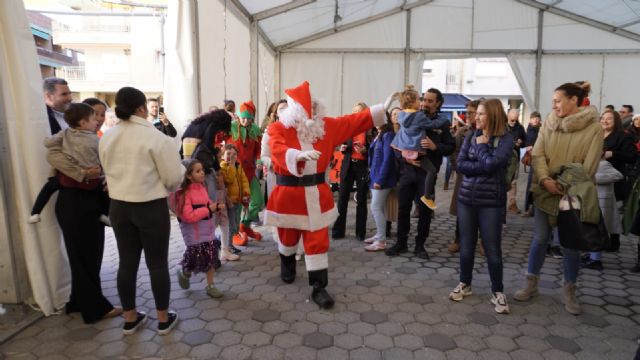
<point>49,188</point>
<point>430,178</point>
<point>142,226</point>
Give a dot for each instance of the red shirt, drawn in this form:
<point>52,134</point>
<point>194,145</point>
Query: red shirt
<point>362,140</point>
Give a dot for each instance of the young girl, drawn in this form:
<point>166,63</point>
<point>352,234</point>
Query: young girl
<point>414,125</point>
<point>237,191</point>
<point>195,214</point>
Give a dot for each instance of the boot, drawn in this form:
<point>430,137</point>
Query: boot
<point>240,239</point>
<point>288,268</point>
<point>318,279</point>
<point>636,269</point>
<point>615,243</point>
<point>513,208</point>
<point>570,300</point>
<point>419,250</point>
<point>250,233</point>
<point>530,290</point>
<point>398,248</point>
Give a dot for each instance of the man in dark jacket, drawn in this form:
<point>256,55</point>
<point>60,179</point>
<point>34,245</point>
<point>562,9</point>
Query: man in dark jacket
<point>439,143</point>
<point>159,119</point>
<point>519,138</point>
<point>57,97</point>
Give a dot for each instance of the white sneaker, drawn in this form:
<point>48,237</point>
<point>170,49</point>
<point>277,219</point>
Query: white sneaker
<point>105,220</point>
<point>500,301</point>
<point>35,218</point>
<point>371,240</point>
<point>227,255</point>
<point>460,291</point>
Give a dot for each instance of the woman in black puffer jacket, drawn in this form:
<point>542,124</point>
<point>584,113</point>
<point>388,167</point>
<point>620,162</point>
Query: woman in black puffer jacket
<point>483,161</point>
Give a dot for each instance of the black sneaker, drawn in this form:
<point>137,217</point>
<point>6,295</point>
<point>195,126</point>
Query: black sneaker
<point>396,250</point>
<point>556,252</point>
<point>165,327</point>
<point>594,265</point>
<point>234,249</point>
<point>130,328</point>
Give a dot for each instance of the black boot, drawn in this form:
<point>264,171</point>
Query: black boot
<point>398,248</point>
<point>288,268</point>
<point>419,251</point>
<point>636,269</point>
<point>319,279</point>
<point>615,243</point>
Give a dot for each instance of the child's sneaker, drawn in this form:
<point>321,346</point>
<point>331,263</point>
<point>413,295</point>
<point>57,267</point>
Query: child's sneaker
<point>460,292</point>
<point>371,240</point>
<point>35,218</point>
<point>105,220</point>
<point>225,254</point>
<point>240,239</point>
<point>429,202</point>
<point>214,292</point>
<point>165,327</point>
<point>183,279</point>
<point>500,301</point>
<point>376,246</point>
<point>234,249</point>
<point>130,328</point>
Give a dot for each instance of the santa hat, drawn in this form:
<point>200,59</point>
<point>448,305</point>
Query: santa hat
<point>302,96</point>
<point>247,110</point>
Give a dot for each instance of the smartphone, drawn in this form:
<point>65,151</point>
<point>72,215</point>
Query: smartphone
<point>161,109</point>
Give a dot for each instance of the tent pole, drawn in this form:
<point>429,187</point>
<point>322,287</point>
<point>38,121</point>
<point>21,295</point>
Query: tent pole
<point>253,61</point>
<point>536,94</point>
<point>276,78</point>
<point>407,46</point>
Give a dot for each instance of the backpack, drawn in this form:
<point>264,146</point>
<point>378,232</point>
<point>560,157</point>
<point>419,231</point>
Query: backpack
<point>512,165</point>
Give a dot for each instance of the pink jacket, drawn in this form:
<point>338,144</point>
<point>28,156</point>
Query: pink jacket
<point>196,223</point>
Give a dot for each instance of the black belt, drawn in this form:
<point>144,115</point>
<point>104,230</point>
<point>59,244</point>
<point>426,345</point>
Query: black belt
<point>305,180</point>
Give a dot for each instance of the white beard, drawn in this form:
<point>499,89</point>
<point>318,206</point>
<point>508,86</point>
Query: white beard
<point>309,130</point>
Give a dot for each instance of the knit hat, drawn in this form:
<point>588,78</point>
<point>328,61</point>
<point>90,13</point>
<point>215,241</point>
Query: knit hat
<point>247,110</point>
<point>302,96</point>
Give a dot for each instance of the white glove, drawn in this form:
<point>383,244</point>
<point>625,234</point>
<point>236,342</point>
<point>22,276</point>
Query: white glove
<point>389,101</point>
<point>308,155</point>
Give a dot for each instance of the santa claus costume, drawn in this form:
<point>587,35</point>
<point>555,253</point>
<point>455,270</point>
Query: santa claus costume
<point>301,205</point>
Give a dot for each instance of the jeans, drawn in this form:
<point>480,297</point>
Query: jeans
<point>447,170</point>
<point>378,199</point>
<point>528,197</point>
<point>489,222</point>
<point>541,237</point>
<point>233,212</point>
<point>430,178</point>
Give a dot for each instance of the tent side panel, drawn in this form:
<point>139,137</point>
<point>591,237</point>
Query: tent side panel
<point>561,33</point>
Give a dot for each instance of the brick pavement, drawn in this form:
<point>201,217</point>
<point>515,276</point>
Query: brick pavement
<point>386,308</point>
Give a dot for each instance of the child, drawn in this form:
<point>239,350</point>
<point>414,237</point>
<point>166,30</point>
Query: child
<point>413,128</point>
<point>195,213</point>
<point>80,143</point>
<point>237,191</point>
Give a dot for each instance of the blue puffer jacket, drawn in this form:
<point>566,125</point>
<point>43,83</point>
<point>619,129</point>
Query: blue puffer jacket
<point>484,167</point>
<point>382,161</point>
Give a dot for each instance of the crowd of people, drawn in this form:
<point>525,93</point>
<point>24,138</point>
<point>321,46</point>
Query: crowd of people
<point>230,169</point>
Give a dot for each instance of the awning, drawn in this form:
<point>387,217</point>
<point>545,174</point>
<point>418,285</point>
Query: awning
<point>455,102</point>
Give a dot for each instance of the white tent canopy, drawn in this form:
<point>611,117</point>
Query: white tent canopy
<point>356,50</point>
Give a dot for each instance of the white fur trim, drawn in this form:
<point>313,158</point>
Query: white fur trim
<point>287,250</point>
<point>290,159</point>
<point>316,261</point>
<point>301,222</point>
<point>292,114</point>
<point>378,114</point>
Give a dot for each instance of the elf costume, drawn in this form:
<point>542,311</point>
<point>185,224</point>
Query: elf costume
<point>247,138</point>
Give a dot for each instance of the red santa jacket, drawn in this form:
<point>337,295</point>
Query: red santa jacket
<point>310,207</point>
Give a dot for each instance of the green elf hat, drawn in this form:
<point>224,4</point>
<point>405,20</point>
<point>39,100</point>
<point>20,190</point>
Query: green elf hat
<point>247,110</point>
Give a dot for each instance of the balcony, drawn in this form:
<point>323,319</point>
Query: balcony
<point>96,79</point>
<point>54,57</point>
<point>93,30</point>
<point>71,73</point>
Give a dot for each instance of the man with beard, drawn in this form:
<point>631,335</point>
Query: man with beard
<point>301,205</point>
<point>57,97</point>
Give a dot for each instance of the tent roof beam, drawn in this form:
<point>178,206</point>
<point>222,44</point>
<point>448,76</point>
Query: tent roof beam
<point>247,15</point>
<point>277,10</point>
<point>581,19</point>
<point>325,33</point>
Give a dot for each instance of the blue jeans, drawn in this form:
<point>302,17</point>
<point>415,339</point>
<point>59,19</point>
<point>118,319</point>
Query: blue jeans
<point>447,170</point>
<point>541,237</point>
<point>489,222</point>
<point>378,199</point>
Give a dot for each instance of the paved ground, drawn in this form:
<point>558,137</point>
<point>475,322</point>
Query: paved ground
<point>386,308</point>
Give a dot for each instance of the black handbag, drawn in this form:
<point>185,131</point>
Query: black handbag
<point>577,235</point>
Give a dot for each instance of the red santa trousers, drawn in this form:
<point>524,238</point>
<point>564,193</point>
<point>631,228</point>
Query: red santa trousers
<point>316,245</point>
